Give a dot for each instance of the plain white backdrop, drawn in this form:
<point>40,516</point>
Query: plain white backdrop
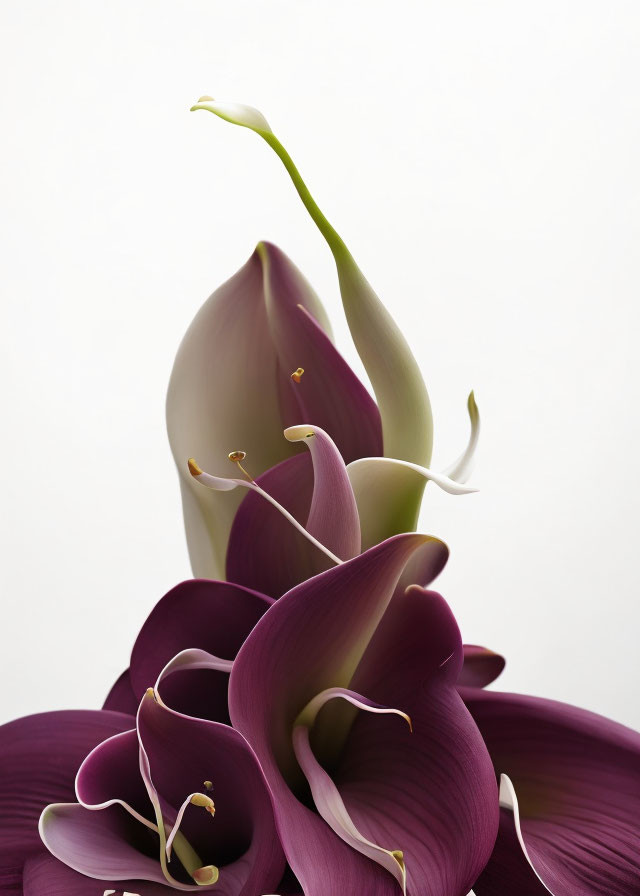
<point>480,159</point>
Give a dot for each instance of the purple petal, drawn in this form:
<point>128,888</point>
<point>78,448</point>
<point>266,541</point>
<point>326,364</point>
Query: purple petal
<point>218,483</point>
<point>111,773</point>
<point>313,639</point>
<point>425,565</point>
<point>431,793</point>
<point>39,758</point>
<point>106,845</point>
<point>576,777</point>
<point>231,389</point>
<point>265,552</point>
<point>333,515</point>
<point>508,870</point>
<point>121,697</point>
<point>325,794</point>
<point>329,393</point>
<point>183,753</point>
<point>194,659</point>
<point>46,876</point>
<point>481,666</point>
<point>213,616</point>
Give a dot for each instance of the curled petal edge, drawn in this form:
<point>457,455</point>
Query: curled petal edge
<point>368,467</point>
<point>509,801</point>
<point>333,516</point>
<point>325,794</point>
<point>461,469</point>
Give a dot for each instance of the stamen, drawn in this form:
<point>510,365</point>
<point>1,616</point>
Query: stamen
<point>194,469</point>
<point>206,99</point>
<point>296,376</point>
<point>219,483</point>
<point>206,875</point>
<point>151,693</point>
<point>236,457</point>
<point>208,785</point>
<point>200,799</point>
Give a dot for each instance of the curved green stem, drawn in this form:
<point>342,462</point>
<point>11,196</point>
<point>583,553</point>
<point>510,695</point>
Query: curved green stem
<point>405,410</point>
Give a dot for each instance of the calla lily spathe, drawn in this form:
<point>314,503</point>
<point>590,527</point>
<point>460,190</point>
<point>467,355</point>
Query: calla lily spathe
<point>283,534</point>
<point>214,617</point>
<point>231,388</point>
<point>39,758</point>
<point>395,376</point>
<point>178,801</point>
<point>316,689</point>
<point>569,792</point>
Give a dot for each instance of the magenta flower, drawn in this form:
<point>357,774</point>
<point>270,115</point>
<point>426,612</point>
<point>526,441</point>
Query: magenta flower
<point>258,358</point>
<point>39,758</point>
<point>569,793</point>
<point>231,387</point>
<point>177,801</point>
<point>312,725</point>
<point>214,617</point>
<point>364,804</point>
<point>290,528</point>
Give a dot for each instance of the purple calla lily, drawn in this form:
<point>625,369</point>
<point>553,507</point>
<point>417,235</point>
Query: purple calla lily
<point>177,801</point>
<point>281,538</point>
<point>569,792</point>
<point>362,804</point>
<point>262,343</point>
<point>39,758</point>
<point>215,617</point>
<point>231,387</point>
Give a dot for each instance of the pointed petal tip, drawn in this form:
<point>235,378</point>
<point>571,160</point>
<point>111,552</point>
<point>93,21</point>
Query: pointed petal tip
<point>235,113</point>
<point>299,432</point>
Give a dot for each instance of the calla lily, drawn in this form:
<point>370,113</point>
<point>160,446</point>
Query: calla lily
<point>177,801</point>
<point>262,340</point>
<point>39,758</point>
<point>363,804</point>
<point>569,793</point>
<point>394,374</point>
<point>270,548</point>
<point>384,482</point>
<point>405,409</point>
<point>269,554</point>
<point>232,388</point>
<point>215,617</point>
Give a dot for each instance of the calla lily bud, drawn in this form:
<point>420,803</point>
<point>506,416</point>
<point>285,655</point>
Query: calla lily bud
<point>232,393</point>
<point>394,373</point>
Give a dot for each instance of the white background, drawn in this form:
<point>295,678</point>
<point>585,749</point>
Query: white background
<point>481,160</point>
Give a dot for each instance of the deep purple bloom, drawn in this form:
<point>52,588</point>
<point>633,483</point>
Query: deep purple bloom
<point>286,531</point>
<point>231,388</point>
<point>215,617</point>
<point>569,794</point>
<point>363,805</point>
<point>177,801</point>
<point>39,758</point>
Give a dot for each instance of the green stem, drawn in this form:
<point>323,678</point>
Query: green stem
<point>331,235</point>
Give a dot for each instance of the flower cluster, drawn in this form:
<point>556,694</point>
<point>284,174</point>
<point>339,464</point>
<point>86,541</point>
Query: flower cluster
<point>303,717</point>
